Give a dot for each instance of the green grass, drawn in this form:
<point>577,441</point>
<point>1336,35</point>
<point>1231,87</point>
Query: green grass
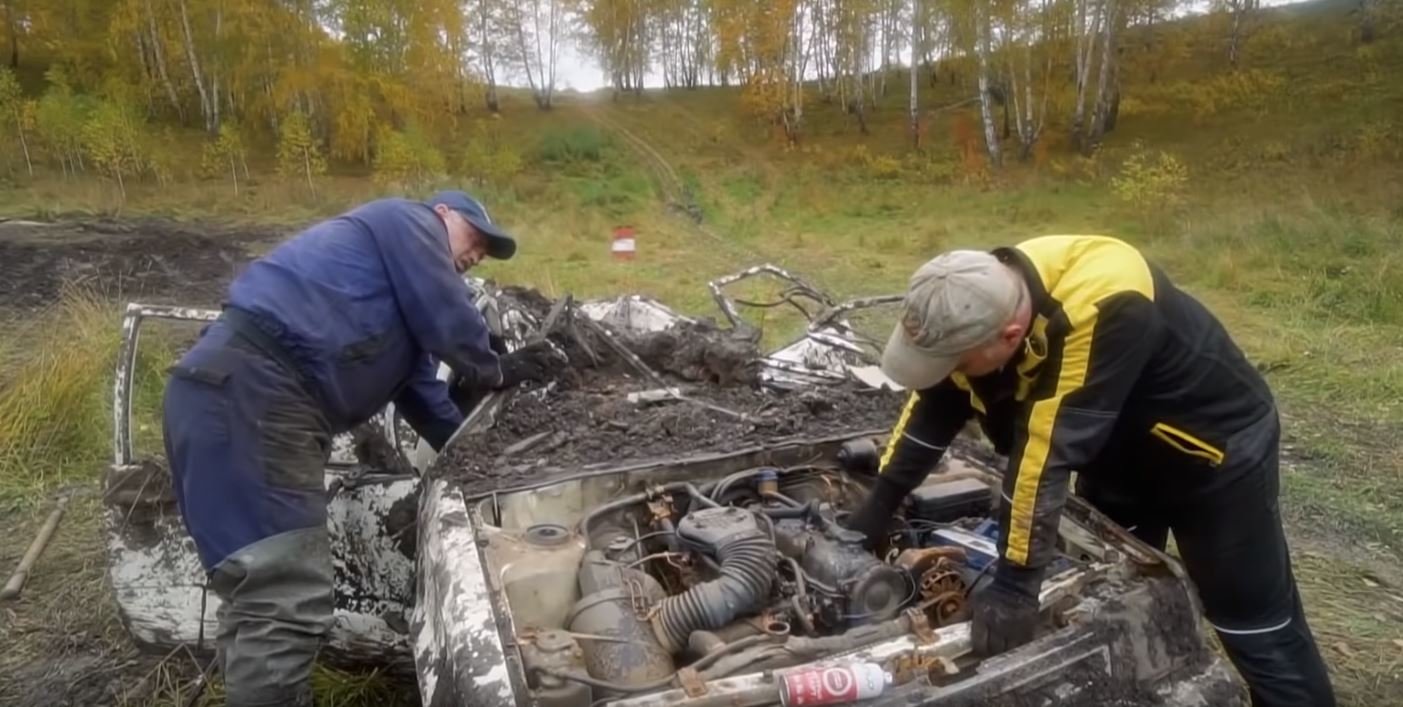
<point>54,408</point>
<point>56,397</point>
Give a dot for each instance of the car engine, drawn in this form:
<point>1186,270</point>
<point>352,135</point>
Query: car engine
<point>754,570</point>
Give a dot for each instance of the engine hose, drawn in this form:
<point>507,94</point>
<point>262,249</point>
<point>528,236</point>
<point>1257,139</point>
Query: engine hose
<point>807,511</point>
<point>696,495</point>
<point>747,573</point>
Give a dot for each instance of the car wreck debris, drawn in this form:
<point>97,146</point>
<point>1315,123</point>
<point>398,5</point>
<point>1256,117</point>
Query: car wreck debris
<point>663,525</point>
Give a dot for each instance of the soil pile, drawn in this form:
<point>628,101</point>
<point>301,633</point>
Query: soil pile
<point>603,411</point>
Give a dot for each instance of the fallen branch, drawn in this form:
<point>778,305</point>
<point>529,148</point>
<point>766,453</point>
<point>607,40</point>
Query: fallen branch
<point>16,584</point>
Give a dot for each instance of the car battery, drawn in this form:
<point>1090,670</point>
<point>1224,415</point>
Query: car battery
<point>979,550</point>
<point>981,546</point>
<point>945,501</point>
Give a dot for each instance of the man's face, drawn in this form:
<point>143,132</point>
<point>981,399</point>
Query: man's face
<point>468,246</point>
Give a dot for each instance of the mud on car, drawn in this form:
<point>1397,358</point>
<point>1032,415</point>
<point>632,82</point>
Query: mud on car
<point>664,525</point>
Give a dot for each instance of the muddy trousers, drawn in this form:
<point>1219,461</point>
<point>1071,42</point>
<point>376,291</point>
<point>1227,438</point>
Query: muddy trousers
<point>247,449</point>
<point>1234,549</point>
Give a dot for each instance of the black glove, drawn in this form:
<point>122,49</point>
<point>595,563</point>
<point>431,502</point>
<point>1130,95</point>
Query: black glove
<point>1005,608</point>
<point>532,362</point>
<point>497,344</point>
<point>878,510</point>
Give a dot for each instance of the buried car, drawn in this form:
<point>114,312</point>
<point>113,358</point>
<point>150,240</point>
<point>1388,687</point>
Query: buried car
<point>663,524</point>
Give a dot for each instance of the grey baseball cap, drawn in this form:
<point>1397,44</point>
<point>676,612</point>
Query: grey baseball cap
<point>954,303</point>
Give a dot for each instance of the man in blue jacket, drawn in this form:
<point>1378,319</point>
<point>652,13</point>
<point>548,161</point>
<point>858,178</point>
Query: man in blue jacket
<point>316,337</point>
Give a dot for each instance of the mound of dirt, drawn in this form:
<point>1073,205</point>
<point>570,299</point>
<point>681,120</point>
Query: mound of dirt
<point>157,260</point>
<point>606,411</point>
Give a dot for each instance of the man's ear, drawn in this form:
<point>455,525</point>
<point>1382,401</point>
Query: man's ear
<point>1013,332</point>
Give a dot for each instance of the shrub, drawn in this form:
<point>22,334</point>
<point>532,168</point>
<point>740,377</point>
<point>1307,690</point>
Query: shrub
<point>487,156</point>
<point>581,144</point>
<point>113,138</point>
<point>406,159</point>
<point>299,151</point>
<point>223,157</point>
<point>1151,180</point>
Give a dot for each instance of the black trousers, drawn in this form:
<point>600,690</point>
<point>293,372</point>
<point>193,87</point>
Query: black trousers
<point>1227,527</point>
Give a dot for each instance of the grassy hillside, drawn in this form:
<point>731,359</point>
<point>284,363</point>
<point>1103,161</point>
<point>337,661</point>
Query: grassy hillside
<point>1274,192</point>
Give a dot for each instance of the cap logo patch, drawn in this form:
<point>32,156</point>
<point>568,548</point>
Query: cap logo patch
<point>911,324</point>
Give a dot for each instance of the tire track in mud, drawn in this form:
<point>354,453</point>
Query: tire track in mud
<point>673,192</point>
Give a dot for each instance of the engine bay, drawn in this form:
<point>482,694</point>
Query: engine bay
<point>624,586</point>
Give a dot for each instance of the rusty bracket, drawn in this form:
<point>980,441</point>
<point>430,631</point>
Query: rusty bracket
<point>661,507</point>
<point>691,682</point>
<point>918,560</point>
<point>920,626</point>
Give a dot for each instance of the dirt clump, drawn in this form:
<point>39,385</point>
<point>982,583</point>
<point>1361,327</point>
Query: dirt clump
<point>704,396</point>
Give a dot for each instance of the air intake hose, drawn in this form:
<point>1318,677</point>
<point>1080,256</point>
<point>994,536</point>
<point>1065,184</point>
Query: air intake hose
<point>747,558</point>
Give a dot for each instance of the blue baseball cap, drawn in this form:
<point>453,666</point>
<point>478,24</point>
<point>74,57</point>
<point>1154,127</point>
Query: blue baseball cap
<point>500,244</point>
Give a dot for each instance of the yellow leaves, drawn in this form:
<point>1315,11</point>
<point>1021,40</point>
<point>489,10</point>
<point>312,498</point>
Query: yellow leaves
<point>406,159</point>
<point>299,154</point>
<point>1151,180</point>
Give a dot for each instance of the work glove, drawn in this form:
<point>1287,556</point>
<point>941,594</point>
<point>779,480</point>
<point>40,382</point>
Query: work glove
<point>874,517</point>
<point>497,344</point>
<point>532,362</point>
<point>1005,609</point>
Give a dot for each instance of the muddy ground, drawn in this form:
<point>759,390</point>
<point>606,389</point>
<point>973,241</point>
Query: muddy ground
<point>156,260</point>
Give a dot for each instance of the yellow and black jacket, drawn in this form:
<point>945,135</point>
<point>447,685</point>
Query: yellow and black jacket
<point>1121,373</point>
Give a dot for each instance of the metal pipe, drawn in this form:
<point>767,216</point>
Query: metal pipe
<point>627,501</point>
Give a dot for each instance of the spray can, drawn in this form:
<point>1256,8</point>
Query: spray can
<point>833,685</point>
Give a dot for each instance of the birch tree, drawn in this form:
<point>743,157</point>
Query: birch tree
<point>986,97</point>
<point>539,25</point>
<point>298,151</point>
<point>1095,25</point>
<point>1240,13</point>
<point>226,155</point>
<point>618,29</point>
<point>1029,41</point>
<point>917,51</point>
<point>485,26</point>
<point>207,100</point>
<point>112,137</point>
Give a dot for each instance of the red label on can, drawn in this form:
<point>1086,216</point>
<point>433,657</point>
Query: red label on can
<point>831,686</point>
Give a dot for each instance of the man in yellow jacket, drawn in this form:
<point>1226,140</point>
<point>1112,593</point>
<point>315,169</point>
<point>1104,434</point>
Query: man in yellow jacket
<point>1076,354</point>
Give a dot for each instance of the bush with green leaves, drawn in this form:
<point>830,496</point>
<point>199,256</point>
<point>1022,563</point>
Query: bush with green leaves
<point>59,120</point>
<point>299,152</point>
<point>575,145</point>
<point>1151,179</point>
<point>114,138</point>
<point>226,156</point>
<point>487,156</point>
<point>407,159</point>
